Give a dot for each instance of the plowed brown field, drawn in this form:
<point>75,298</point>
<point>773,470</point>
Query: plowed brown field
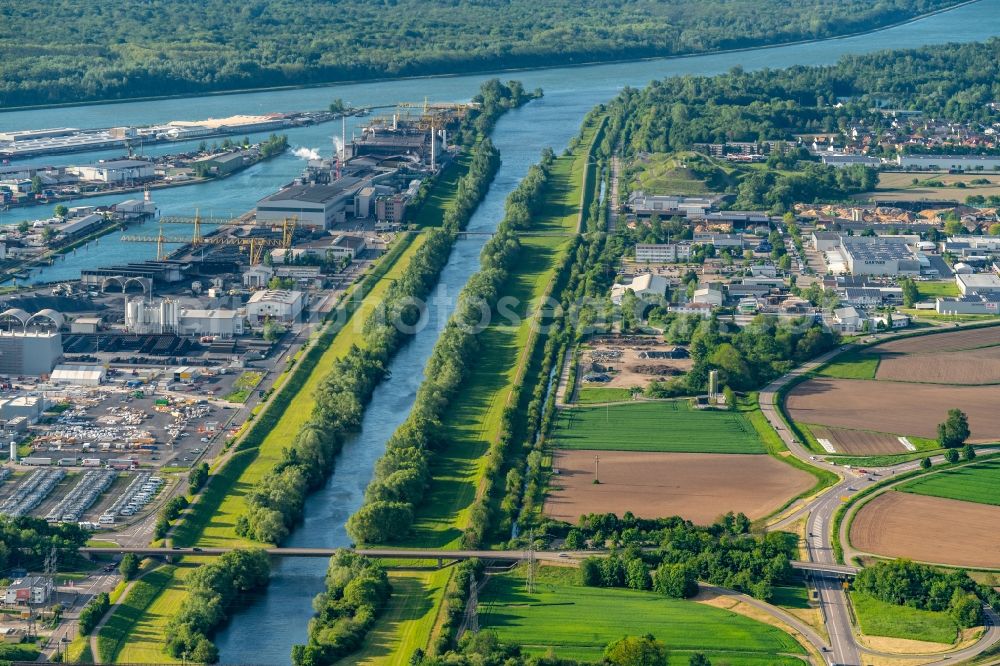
<point>979,366</point>
<point>929,529</point>
<point>697,486</point>
<point>891,407</point>
<point>952,341</point>
<point>859,442</point>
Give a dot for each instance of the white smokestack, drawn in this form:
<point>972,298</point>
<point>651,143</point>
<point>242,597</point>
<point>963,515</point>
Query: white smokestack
<point>13,452</point>
<point>433,145</point>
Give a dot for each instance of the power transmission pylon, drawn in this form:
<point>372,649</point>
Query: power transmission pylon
<point>531,562</point>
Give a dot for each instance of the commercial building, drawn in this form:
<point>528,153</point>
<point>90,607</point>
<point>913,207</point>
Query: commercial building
<point>950,162</point>
<point>391,208</point>
<point>278,304</point>
<point>733,241</point>
<point>115,171</point>
<point>713,297</point>
<point>646,205</point>
<point>645,286</point>
<point>867,255</point>
<point>29,590</point>
<point>978,283</point>
<point>79,375</point>
<point>978,303</point>
<point>29,352</point>
<point>841,161</point>
<point>660,253</point>
<point>347,247</point>
<point>703,310</point>
<point>822,241</point>
<point>316,206</point>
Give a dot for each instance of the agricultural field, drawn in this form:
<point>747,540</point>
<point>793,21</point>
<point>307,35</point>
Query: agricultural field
<point>897,408</point>
<point>655,426</point>
<point>697,486</point>
<point>878,618</point>
<point>852,365</point>
<point>597,395</point>
<point>979,482</point>
<point>579,621</point>
<point>973,338</point>
<point>858,442</point>
<point>897,524</point>
<point>899,186</point>
<point>966,367</point>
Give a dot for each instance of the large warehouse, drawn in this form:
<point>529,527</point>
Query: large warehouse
<point>879,256</point>
<point>29,352</point>
<point>978,283</point>
<point>316,206</point>
<point>277,304</point>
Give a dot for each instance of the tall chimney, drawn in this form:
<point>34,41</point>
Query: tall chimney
<point>433,152</point>
<point>13,452</point>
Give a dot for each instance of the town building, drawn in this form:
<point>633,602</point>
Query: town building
<point>703,310</point>
<point>277,304</point>
<point>661,253</point>
<point>35,590</point>
<point>849,319</point>
<point>713,297</point>
<point>390,208</point>
<point>646,286</point>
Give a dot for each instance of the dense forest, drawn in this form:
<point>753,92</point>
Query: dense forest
<point>65,51</point>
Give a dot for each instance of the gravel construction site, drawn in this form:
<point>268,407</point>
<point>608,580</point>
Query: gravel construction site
<point>898,524</point>
<point>631,360</point>
<point>697,486</point>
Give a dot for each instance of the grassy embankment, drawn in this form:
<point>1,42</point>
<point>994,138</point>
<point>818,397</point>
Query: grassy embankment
<point>878,618</point>
<point>672,426</point>
<point>117,639</point>
<point>474,419</point>
<point>852,365</point>
<point>441,195</point>
<point>979,482</point>
<point>577,622</point>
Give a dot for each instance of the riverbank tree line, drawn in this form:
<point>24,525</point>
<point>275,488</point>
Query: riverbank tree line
<point>402,474</point>
<point>357,591</point>
<point>212,589</point>
<point>276,502</point>
<point>163,47</point>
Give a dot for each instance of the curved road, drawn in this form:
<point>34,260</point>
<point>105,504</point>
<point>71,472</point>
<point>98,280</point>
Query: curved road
<point>819,512</point>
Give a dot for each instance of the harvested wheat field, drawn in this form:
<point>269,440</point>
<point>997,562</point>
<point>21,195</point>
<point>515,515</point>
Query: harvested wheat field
<point>859,442</point>
<point>969,367</point>
<point>697,486</point>
<point>929,529</point>
<point>894,407</point>
<point>940,342</point>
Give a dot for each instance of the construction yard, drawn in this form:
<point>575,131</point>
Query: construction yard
<point>928,529</point>
<point>630,361</point>
<point>697,486</point>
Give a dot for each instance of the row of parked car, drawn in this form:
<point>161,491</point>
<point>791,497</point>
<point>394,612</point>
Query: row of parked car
<point>83,495</point>
<point>32,492</point>
<point>140,492</point>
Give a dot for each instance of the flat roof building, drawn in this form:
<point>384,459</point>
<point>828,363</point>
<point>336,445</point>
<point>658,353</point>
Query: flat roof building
<point>977,283</point>
<point>866,255</point>
<point>29,352</point>
<point>279,304</point>
<point>316,206</point>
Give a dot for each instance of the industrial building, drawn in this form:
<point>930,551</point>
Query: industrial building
<point>949,162</point>
<point>315,206</point>
<point>166,316</point>
<point>977,303</point>
<point>842,161</point>
<point>646,205</point>
<point>30,352</point>
<point>115,171</point>
<point>277,304</point>
<point>878,256</point>
<point>221,323</point>
<point>79,375</point>
<point>978,283</point>
<point>220,164</point>
<point>29,590</point>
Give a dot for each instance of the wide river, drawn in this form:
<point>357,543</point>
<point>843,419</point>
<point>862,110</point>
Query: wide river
<point>265,630</point>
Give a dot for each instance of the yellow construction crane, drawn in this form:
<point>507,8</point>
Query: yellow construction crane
<point>255,245</point>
